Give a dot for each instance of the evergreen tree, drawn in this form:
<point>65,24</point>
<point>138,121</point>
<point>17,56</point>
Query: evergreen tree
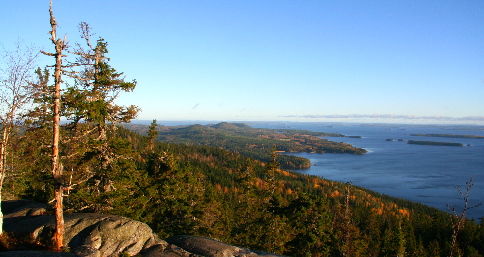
<point>310,223</point>
<point>152,134</point>
<point>95,151</point>
<point>180,195</point>
<point>33,148</point>
<point>247,205</point>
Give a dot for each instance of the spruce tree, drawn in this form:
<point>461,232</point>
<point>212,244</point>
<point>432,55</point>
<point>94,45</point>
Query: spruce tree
<point>152,134</point>
<point>96,154</point>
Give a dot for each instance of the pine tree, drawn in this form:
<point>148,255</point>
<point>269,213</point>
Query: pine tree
<point>152,134</point>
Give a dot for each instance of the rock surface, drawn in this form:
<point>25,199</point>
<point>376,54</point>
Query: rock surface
<point>196,246</point>
<point>167,250</point>
<point>208,247</point>
<point>20,208</point>
<point>212,248</point>
<point>99,235</point>
<point>36,254</point>
<point>110,234</point>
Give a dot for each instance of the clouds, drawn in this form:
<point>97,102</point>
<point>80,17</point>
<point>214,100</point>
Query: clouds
<point>477,119</point>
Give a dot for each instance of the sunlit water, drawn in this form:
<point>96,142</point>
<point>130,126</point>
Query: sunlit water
<point>420,173</point>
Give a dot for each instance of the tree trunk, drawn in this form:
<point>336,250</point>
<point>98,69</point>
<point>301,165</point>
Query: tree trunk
<point>3,154</point>
<point>60,45</point>
<point>6,129</point>
<point>56,168</point>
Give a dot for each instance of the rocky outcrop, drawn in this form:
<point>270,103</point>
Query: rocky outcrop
<point>212,248</point>
<point>110,234</point>
<point>21,208</point>
<point>99,235</point>
<point>36,254</point>
<point>167,250</point>
<point>195,246</point>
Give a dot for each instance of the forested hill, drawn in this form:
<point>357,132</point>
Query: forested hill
<point>253,142</point>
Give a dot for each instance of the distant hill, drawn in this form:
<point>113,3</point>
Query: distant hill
<point>253,142</point>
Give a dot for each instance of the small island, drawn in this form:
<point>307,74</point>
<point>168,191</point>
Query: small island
<point>433,143</point>
<point>449,136</point>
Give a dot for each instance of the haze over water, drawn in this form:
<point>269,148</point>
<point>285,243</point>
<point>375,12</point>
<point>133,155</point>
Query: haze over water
<point>420,173</point>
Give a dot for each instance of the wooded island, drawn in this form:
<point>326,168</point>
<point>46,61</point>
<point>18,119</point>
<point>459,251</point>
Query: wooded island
<point>433,143</point>
<point>449,135</point>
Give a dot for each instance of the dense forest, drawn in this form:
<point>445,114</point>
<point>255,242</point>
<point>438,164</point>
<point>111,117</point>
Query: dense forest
<point>90,163</point>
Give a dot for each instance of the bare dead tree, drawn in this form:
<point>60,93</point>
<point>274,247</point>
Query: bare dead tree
<point>16,91</point>
<point>56,167</point>
<point>459,219</point>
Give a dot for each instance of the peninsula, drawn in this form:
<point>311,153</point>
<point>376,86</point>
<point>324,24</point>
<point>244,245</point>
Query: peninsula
<point>255,143</point>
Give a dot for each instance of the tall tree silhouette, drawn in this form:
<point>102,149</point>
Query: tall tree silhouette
<point>56,168</point>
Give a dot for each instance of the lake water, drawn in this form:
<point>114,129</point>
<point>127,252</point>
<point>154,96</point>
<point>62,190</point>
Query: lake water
<point>421,173</point>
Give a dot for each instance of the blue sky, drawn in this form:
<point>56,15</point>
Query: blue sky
<point>414,61</point>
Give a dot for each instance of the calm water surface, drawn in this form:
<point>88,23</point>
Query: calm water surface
<point>420,173</point>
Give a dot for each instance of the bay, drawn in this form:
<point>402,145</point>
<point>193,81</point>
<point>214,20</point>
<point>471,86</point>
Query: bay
<point>420,173</point>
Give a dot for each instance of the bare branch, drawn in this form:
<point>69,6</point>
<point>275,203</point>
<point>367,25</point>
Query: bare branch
<point>458,220</point>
